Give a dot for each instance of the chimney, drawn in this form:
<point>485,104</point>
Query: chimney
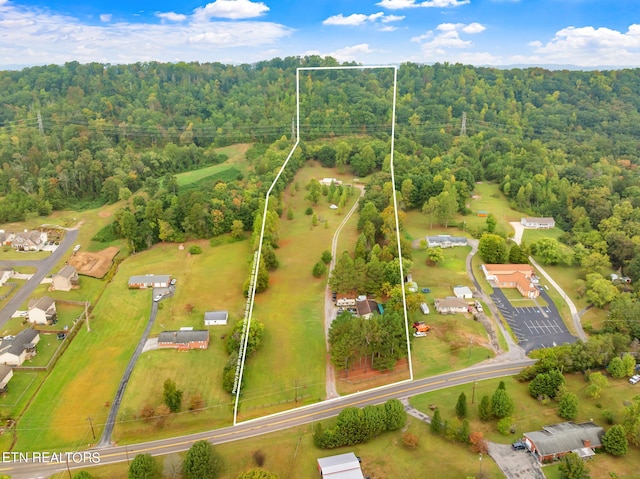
<point>586,442</point>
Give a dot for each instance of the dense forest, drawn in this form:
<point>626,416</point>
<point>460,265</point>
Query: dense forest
<point>559,143</point>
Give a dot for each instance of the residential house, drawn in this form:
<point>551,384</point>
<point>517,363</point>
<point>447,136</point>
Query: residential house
<point>15,351</point>
<point>538,223</point>
<point>216,318</point>
<point>519,276</point>
<point>149,281</point>
<point>366,307</point>
<point>330,181</point>
<point>451,305</point>
<point>184,340</point>
<point>6,373</point>
<point>345,299</point>
<point>462,292</point>
<point>5,275</point>
<point>342,466</point>
<point>446,241</point>
<point>29,240</point>
<point>42,310</point>
<point>553,442</point>
<point>65,279</point>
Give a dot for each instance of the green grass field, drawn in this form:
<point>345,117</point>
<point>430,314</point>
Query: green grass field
<point>292,309</point>
<point>531,415</point>
<point>291,454</point>
<point>227,171</point>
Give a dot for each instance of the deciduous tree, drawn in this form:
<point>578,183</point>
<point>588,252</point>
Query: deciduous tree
<point>201,461</point>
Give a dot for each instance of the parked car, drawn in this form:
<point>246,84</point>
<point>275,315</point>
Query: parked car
<point>61,336</point>
<point>518,446</point>
<point>173,282</point>
<point>634,379</point>
<point>419,334</point>
<point>157,297</point>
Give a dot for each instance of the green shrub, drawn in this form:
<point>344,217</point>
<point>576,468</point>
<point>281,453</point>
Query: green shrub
<point>195,249</point>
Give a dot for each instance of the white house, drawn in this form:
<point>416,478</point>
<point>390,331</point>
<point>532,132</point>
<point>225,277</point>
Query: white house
<point>330,181</point>
<point>6,373</point>
<point>6,275</point>
<point>451,305</point>
<point>538,223</point>
<point>446,241</point>
<point>462,292</point>
<point>65,279</point>
<point>149,281</point>
<point>216,318</point>
<point>13,352</point>
<point>29,240</point>
<point>42,310</point>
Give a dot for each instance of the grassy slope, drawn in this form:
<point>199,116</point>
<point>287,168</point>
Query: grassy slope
<point>530,415</point>
<point>195,371</point>
<point>293,307</point>
<point>236,161</point>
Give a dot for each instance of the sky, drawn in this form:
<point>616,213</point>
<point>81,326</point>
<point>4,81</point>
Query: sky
<point>551,33</point>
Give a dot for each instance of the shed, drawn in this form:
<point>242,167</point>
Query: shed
<point>424,308</point>
<point>462,292</point>
<point>216,318</point>
<point>342,466</point>
<point>483,213</point>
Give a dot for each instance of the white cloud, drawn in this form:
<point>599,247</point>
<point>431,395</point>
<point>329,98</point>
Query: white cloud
<point>346,54</point>
<point>589,46</point>
<point>400,4</point>
<point>171,16</point>
<point>30,36</point>
<point>231,9</point>
<point>357,19</point>
<point>387,28</point>
<point>105,17</point>
<point>447,36</point>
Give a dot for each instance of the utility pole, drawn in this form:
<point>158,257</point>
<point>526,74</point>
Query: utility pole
<point>40,126</point>
<point>293,130</point>
<point>463,128</point>
<point>473,393</point>
<point>86,317</point>
<point>68,470</point>
<point>92,430</point>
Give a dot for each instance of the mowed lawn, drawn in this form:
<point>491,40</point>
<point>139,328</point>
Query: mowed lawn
<point>291,454</point>
<point>207,282</point>
<point>531,415</point>
<point>236,162</point>
<point>291,362</point>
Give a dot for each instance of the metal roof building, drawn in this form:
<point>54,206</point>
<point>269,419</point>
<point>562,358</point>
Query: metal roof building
<point>342,466</point>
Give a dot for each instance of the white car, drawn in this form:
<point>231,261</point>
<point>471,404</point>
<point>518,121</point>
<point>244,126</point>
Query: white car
<point>158,297</point>
<point>419,334</point>
<point>634,379</point>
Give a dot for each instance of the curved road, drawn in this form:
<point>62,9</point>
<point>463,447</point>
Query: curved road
<point>43,268</point>
<point>256,427</point>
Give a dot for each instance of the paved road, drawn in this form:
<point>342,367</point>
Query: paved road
<point>277,422</point>
<point>43,266</point>
<point>329,309</point>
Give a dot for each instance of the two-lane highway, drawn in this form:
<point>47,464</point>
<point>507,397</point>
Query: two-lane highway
<point>277,422</point>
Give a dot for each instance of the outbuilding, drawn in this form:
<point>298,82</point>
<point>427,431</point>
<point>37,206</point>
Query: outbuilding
<point>216,318</point>
<point>462,292</point>
<point>342,466</point>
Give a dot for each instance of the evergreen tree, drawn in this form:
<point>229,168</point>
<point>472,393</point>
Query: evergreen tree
<point>568,408</point>
<point>436,422</point>
<point>143,466</point>
<point>615,441</point>
<point>172,395</point>
<point>484,408</point>
<point>501,404</point>
<point>201,461</point>
<point>461,406</point>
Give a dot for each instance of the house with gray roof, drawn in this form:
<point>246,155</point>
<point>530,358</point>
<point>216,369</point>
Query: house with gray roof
<point>451,305</point>
<point>184,339</point>
<point>216,318</point>
<point>16,350</point>
<point>446,241</point>
<point>342,466</point>
<point>29,240</point>
<point>149,281</point>
<point>42,310</point>
<point>538,223</point>
<point>6,373</point>
<point>555,441</point>
<point>65,279</point>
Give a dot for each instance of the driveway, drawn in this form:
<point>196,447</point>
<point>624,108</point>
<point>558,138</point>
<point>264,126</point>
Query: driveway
<point>515,464</point>
<point>535,327</point>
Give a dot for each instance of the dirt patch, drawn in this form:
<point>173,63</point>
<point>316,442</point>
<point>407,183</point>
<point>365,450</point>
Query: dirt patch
<point>363,372</point>
<point>104,214</point>
<point>95,264</point>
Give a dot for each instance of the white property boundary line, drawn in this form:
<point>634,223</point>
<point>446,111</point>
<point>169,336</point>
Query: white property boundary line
<point>256,265</point>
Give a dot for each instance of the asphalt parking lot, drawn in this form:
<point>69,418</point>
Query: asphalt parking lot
<point>534,327</point>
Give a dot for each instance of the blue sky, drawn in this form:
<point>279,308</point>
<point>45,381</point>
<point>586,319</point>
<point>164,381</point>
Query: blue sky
<point>584,33</point>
